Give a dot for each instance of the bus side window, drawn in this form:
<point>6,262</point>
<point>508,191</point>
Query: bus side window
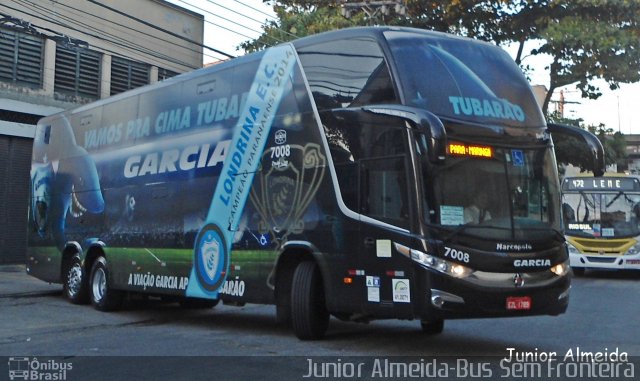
<point>347,73</point>
<point>383,185</point>
<point>369,156</point>
<point>344,146</point>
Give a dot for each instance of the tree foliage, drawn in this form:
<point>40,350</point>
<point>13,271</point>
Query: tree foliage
<point>585,40</point>
<point>570,150</point>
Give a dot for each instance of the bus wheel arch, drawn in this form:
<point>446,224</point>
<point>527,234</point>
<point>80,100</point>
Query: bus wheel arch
<point>74,276</point>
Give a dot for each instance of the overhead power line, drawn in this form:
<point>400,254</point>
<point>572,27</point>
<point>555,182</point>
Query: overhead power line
<point>251,18</point>
<point>219,26</point>
<point>56,33</point>
<point>43,11</point>
<point>186,47</point>
<point>159,28</point>
<point>255,9</point>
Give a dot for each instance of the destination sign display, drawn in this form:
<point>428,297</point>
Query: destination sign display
<point>601,184</point>
<point>474,150</point>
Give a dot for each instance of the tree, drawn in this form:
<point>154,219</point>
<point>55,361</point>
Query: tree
<point>585,39</point>
<point>299,19</point>
<point>570,150</point>
<point>591,39</point>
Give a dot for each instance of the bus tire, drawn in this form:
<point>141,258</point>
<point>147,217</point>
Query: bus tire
<point>103,297</point>
<point>75,284</point>
<point>432,327</point>
<point>309,315</point>
<point>197,303</point>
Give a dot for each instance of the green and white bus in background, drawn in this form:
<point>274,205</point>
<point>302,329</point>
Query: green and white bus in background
<point>602,222</point>
<point>366,173</point>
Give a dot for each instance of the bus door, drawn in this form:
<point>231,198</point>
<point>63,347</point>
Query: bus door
<point>385,208</point>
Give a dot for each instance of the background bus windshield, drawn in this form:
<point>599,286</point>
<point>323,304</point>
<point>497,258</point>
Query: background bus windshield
<point>598,214</point>
<point>463,80</point>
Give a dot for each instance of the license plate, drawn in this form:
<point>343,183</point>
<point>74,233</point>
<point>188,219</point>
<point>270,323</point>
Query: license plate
<point>519,303</point>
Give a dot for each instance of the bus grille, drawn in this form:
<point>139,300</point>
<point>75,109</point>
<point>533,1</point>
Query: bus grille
<point>601,259</point>
<point>602,246</point>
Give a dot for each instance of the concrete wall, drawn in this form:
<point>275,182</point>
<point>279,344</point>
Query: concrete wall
<point>94,24</point>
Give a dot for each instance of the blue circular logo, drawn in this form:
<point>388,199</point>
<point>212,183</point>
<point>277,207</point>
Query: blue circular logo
<point>211,257</point>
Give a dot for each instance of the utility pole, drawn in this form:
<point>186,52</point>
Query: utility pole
<point>374,9</point>
<point>617,96</point>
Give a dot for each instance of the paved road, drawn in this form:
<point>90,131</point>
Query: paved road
<point>603,317</point>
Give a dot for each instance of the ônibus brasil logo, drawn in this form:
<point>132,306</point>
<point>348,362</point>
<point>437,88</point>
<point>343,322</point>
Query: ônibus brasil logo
<point>25,368</point>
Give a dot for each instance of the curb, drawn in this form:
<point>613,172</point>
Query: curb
<point>13,268</point>
<point>16,283</point>
<point>31,294</point>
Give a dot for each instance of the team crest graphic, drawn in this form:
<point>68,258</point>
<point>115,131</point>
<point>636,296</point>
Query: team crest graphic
<point>281,137</point>
<point>282,195</point>
<point>211,258</point>
<point>210,253</point>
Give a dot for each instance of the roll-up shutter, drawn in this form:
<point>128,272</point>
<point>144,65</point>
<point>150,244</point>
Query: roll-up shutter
<point>15,162</point>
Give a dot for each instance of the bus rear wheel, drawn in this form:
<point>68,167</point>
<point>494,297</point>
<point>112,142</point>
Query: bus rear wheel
<point>309,314</point>
<point>75,283</point>
<point>103,297</point>
<point>432,327</point>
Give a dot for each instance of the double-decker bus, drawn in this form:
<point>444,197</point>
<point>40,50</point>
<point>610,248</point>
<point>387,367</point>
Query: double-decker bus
<point>365,173</point>
<point>602,222</point>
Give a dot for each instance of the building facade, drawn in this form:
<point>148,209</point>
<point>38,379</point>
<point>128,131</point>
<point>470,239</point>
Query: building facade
<point>58,54</point>
<point>633,153</point>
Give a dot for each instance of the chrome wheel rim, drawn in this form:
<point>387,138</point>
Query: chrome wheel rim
<point>74,279</point>
<point>99,284</point>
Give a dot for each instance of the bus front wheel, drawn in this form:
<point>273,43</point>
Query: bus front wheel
<point>103,297</point>
<point>309,315</point>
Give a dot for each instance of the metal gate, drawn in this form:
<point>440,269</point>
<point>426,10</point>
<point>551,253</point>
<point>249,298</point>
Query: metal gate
<point>15,164</point>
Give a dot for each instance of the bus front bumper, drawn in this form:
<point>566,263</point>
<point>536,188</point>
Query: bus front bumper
<point>605,262</point>
<point>495,295</point>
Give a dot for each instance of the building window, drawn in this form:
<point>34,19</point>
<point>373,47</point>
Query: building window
<point>77,72</point>
<point>127,75</point>
<point>20,58</point>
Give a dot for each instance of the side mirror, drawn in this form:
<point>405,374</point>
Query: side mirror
<point>426,122</point>
<point>595,148</point>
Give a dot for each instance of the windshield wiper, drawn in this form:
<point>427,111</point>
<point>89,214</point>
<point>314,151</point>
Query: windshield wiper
<point>614,199</point>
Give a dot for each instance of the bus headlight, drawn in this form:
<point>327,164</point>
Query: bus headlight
<point>633,250</point>
<point>446,267</point>
<point>560,269</point>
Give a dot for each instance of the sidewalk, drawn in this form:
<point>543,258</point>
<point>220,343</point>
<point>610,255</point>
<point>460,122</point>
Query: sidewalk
<point>15,282</point>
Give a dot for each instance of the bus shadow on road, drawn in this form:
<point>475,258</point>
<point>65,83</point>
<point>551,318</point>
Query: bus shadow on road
<point>611,274</point>
<point>377,338</point>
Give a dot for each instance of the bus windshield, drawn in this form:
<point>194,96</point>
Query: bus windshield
<point>614,214</point>
<point>456,79</point>
<point>495,193</point>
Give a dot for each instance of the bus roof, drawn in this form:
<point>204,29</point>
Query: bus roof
<point>355,32</point>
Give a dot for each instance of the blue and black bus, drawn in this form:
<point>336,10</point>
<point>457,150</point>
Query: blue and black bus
<point>366,173</point>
